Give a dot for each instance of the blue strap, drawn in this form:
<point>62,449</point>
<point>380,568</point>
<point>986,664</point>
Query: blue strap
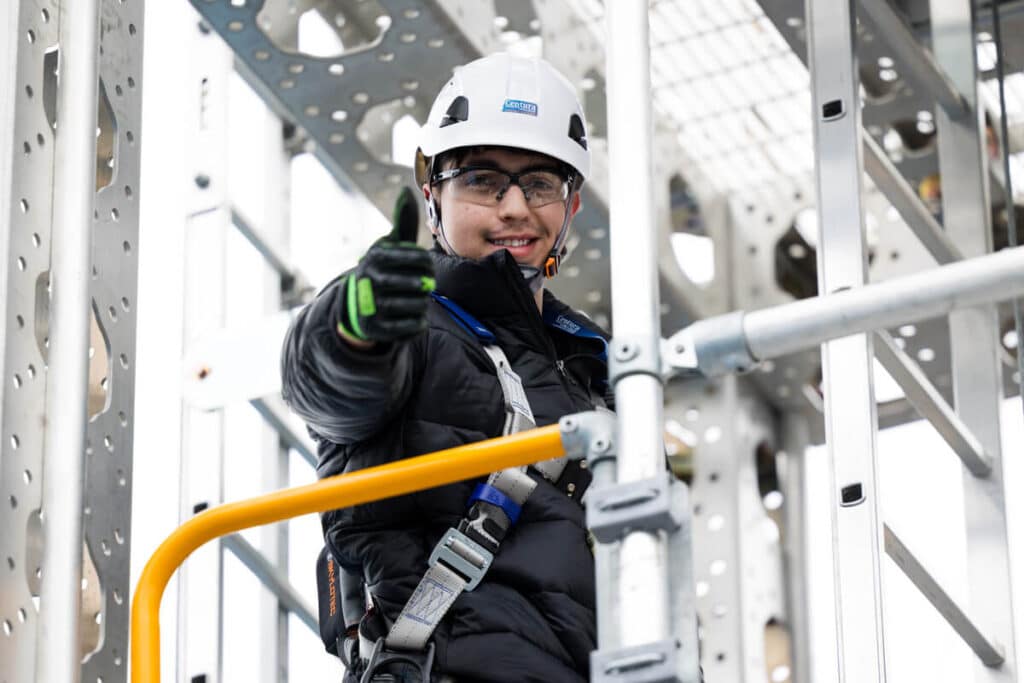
<point>489,494</point>
<point>576,329</point>
<point>468,322</point>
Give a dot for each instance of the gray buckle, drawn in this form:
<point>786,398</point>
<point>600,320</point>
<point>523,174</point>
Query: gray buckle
<point>465,557</point>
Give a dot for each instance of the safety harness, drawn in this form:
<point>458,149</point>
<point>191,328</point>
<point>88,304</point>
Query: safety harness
<point>465,552</point>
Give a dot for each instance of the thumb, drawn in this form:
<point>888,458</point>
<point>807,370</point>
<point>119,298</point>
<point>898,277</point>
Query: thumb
<point>405,219</point>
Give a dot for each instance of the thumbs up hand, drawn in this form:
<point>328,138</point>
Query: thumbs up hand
<point>386,295</point>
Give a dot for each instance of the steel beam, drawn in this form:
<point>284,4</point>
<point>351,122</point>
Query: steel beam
<point>850,418</point>
<point>977,382</point>
<point>67,373</point>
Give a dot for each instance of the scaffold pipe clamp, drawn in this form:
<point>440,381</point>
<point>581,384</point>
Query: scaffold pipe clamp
<point>634,356</point>
<point>589,436</point>
<point>645,505</point>
<point>711,347</point>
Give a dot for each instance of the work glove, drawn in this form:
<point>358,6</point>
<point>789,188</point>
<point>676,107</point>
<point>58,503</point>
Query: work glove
<point>386,295</point>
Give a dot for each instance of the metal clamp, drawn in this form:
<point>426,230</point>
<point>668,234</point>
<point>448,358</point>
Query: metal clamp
<point>711,347</point>
<point>649,663</point>
<point>633,356</point>
<point>589,435</point>
<point>462,555</point>
<point>645,505</point>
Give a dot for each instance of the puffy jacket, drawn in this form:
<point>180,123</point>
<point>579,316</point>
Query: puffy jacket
<point>532,618</point>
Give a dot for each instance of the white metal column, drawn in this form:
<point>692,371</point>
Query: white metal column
<point>643,560</point>
<point>974,335</point>
<point>67,374</point>
<point>850,419</point>
<point>200,584</point>
<point>274,635</point>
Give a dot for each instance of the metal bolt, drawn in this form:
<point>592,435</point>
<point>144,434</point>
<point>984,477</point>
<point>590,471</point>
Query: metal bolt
<point>202,181</point>
<point>569,425</point>
<point>680,348</point>
<point>599,445</point>
<point>625,352</point>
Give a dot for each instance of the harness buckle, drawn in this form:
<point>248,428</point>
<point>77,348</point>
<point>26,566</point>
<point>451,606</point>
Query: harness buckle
<point>463,555</point>
<point>398,666</point>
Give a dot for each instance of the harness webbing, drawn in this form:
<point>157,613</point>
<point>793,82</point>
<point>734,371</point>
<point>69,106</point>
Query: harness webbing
<point>465,553</point>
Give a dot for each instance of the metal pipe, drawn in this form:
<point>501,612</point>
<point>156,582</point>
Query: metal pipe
<point>643,571</point>
<point>364,486</point>
<point>776,331</point>
<point>58,660</point>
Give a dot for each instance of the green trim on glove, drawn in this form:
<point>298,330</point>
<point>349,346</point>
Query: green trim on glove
<point>351,305</point>
<point>364,295</point>
<point>428,283</point>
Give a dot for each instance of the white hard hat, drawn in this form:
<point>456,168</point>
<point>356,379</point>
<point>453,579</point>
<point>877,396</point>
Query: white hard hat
<point>506,101</point>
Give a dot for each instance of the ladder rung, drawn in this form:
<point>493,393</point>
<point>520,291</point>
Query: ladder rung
<point>927,400</point>
<point>906,201</point>
<point>989,652</point>
<point>276,415</point>
<point>912,56</point>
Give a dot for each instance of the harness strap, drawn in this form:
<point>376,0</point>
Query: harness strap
<point>464,554</point>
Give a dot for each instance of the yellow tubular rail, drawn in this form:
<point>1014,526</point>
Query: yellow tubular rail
<point>364,486</point>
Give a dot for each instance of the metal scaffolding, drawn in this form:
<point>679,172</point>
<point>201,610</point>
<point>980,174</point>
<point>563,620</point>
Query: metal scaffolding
<point>894,273</point>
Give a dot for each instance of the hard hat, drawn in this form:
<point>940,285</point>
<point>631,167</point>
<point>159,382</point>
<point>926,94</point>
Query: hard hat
<point>506,101</point>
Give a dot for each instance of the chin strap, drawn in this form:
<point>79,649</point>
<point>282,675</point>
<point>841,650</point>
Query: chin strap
<point>554,260</point>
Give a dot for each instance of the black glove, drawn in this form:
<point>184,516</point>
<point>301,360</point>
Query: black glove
<point>386,295</point>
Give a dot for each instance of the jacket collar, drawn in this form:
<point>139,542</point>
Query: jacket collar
<point>489,288</point>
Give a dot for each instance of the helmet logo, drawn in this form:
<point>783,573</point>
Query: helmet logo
<point>520,107</point>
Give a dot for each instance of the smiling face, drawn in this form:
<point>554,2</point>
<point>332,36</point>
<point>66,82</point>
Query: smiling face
<point>475,231</point>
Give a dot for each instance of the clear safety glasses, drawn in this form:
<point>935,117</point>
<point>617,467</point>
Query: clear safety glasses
<point>487,186</point>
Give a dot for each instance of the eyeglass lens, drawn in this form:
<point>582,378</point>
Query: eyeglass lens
<point>488,186</point>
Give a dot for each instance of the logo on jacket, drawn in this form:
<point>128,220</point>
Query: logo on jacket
<point>566,325</point>
<point>520,107</point>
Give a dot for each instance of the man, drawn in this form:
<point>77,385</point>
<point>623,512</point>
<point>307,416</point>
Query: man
<point>383,368</point>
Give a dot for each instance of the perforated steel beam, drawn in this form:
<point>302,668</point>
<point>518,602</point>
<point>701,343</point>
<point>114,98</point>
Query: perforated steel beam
<point>345,106</point>
<point>111,182</point>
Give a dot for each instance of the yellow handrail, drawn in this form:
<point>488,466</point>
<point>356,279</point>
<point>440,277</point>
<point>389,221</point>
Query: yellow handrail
<point>395,479</point>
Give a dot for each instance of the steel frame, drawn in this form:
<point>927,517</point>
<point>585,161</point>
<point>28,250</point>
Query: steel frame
<point>848,386</point>
<point>974,337</point>
<point>105,513</point>
<point>462,21</point>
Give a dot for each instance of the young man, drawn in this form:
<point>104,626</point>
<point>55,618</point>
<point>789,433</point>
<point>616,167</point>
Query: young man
<point>382,368</point>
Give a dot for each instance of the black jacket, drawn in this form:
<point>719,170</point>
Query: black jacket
<point>532,618</point>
